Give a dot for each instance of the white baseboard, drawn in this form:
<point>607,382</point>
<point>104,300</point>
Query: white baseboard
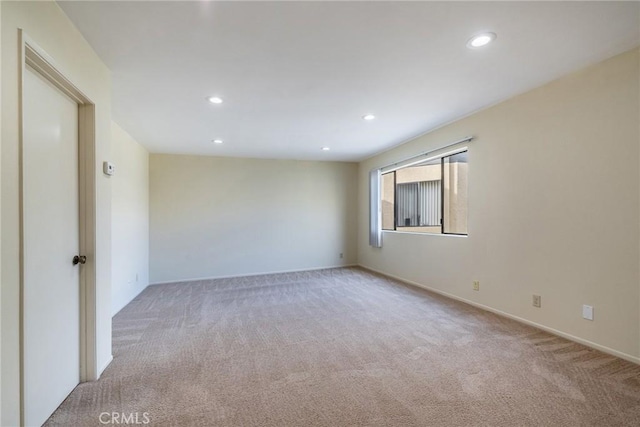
<point>553,331</point>
<point>128,300</point>
<point>108,362</point>
<point>251,274</point>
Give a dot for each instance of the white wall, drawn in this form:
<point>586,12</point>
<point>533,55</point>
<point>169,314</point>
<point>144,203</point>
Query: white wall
<point>554,191</point>
<point>129,218</point>
<point>214,216</point>
<point>47,26</point>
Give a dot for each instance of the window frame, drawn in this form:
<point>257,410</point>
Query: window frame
<point>441,159</point>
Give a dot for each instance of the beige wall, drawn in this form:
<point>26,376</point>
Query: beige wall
<point>213,216</point>
<point>554,192</point>
<point>47,26</point>
<point>129,218</point>
<point>0,219</point>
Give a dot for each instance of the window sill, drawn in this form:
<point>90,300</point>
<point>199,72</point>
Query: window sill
<point>424,233</point>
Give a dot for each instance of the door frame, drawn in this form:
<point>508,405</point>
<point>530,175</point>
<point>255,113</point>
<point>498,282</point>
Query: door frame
<point>32,56</point>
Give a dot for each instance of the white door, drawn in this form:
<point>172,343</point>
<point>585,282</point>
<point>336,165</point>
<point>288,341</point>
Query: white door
<point>51,240</point>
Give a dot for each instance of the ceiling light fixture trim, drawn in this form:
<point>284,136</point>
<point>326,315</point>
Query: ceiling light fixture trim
<point>481,40</point>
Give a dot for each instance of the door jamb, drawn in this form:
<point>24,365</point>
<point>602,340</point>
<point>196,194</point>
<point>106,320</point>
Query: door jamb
<point>33,56</point>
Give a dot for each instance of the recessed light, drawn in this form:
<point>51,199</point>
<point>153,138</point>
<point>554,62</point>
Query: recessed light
<point>480,40</point>
<point>215,100</point>
<point>325,148</point>
<point>217,141</point>
<point>369,117</point>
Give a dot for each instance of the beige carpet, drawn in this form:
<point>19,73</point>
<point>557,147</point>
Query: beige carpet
<point>343,347</point>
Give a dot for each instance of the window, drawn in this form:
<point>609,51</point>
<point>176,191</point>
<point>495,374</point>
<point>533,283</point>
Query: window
<point>429,197</point>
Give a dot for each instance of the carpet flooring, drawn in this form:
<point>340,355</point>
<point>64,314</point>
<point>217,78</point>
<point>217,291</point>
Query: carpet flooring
<point>342,347</point>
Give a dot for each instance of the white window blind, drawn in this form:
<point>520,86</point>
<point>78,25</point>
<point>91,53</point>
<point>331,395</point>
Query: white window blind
<point>375,214</point>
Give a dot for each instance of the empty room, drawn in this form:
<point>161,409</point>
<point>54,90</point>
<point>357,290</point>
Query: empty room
<point>319,213</point>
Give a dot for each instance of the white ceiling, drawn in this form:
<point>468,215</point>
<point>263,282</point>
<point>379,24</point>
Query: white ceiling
<point>297,76</point>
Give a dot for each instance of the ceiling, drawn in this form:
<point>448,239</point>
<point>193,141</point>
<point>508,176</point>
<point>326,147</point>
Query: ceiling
<point>298,76</point>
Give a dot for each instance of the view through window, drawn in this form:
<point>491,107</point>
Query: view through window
<point>429,197</point>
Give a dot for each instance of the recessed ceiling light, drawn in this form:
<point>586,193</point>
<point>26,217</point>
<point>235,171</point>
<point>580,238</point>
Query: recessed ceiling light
<point>215,100</point>
<point>217,141</point>
<point>480,40</point>
<point>369,117</point>
<point>325,148</point>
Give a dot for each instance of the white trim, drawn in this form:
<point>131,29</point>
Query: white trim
<point>251,274</point>
<point>129,300</point>
<point>553,331</point>
<point>105,366</point>
<point>416,160</point>
<point>31,55</point>
<point>418,233</point>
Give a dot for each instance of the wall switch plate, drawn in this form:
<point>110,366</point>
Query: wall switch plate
<point>537,301</point>
<point>587,312</point>
<point>108,168</point>
<point>476,285</point>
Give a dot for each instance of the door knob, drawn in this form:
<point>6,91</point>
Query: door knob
<point>79,259</point>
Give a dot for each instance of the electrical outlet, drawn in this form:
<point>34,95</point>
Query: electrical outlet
<point>587,312</point>
<point>341,255</point>
<point>537,301</point>
<point>136,277</point>
<point>476,285</point>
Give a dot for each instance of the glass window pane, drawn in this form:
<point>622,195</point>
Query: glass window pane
<point>418,198</point>
<point>455,193</point>
<point>388,199</point>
